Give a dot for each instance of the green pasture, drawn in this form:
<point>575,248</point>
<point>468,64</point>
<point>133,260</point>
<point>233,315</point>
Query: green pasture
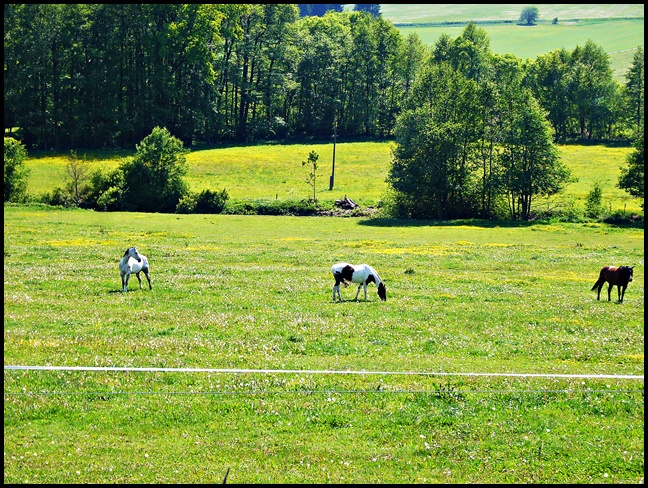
<point>618,37</point>
<point>618,29</point>
<point>275,172</point>
<point>457,12</point>
<point>255,292</point>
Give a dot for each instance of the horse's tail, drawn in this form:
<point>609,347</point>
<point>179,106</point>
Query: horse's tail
<point>598,284</point>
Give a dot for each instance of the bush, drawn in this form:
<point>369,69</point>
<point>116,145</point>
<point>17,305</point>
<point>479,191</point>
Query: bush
<point>58,197</point>
<point>187,204</point>
<point>594,202</point>
<point>211,202</point>
<point>153,177</point>
<point>108,201</point>
<point>623,218</point>
<point>105,190</point>
<point>272,207</point>
<point>205,202</point>
<point>15,171</point>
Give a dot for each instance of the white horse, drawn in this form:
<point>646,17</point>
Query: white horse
<point>361,273</point>
<point>133,262</point>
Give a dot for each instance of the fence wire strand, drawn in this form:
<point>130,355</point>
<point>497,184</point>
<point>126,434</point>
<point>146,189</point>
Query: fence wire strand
<point>310,392</point>
<point>439,391</point>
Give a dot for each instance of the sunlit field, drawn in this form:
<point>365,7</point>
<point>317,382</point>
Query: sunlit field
<point>275,172</point>
<point>491,361</point>
<point>255,293</point>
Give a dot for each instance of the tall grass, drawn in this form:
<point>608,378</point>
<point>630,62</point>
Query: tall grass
<point>256,292</point>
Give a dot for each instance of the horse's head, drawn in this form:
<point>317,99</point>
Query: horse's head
<point>382,292</point>
<point>132,252</point>
<point>628,272</point>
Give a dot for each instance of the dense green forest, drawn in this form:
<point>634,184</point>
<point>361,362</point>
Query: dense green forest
<point>103,76</point>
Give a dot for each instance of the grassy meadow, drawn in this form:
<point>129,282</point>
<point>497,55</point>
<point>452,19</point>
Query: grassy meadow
<point>255,292</point>
<point>275,172</point>
<point>439,384</point>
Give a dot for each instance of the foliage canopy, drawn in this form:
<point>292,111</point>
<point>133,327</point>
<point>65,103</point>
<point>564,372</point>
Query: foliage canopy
<point>15,171</point>
<point>529,15</point>
<point>153,177</point>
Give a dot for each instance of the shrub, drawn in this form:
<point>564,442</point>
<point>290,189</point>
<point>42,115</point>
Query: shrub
<point>211,202</point>
<point>187,204</point>
<point>153,177</point>
<point>58,197</point>
<point>205,202</point>
<point>594,202</point>
<point>105,190</point>
<point>273,207</point>
<point>15,171</point>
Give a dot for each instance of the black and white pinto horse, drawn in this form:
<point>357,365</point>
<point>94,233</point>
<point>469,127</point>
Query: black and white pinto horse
<point>360,273</point>
<point>133,262</point>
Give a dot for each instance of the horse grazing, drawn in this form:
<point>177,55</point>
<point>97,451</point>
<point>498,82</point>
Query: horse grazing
<point>614,275</point>
<point>133,262</point>
<point>361,273</point>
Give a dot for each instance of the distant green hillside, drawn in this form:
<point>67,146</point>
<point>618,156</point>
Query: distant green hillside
<point>421,13</point>
<point>618,29</point>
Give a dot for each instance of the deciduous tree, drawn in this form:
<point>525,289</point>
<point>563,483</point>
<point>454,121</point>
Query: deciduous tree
<point>529,15</point>
<point>153,177</point>
<point>532,166</point>
<point>15,170</point>
<point>632,175</point>
<point>312,173</point>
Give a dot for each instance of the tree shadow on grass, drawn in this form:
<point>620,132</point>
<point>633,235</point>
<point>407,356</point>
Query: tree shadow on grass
<point>386,222</point>
<point>490,224</point>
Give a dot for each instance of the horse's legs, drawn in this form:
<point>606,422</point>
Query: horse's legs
<point>125,278</point>
<point>148,277</point>
<point>336,287</point>
<point>610,291</point>
<point>359,286</point>
<point>145,270</point>
<point>139,279</point>
<point>365,290</point>
<point>622,289</point>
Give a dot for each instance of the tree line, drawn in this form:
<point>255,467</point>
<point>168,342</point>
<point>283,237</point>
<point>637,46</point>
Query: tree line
<point>102,76</point>
<point>474,131</point>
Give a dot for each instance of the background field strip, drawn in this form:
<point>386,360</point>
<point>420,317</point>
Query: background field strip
<point>309,371</point>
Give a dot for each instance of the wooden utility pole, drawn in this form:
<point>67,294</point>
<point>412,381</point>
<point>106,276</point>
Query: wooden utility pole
<point>332,181</point>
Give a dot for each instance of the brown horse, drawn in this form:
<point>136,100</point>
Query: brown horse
<point>614,275</point>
